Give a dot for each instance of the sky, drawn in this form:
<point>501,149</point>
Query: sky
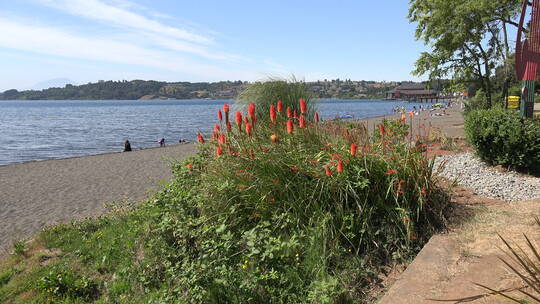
<point>177,40</point>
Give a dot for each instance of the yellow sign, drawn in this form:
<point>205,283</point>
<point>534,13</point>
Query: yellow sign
<point>513,102</point>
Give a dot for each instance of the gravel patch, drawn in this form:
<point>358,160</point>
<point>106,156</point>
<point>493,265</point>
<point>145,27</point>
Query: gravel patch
<point>471,172</point>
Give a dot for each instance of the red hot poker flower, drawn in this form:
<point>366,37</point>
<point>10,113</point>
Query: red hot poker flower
<point>302,122</point>
<point>289,112</point>
<point>381,129</point>
<point>290,127</point>
<point>391,172</point>
<point>248,128</point>
<point>229,126</point>
<point>219,115</point>
<point>238,119</point>
<point>219,151</point>
<point>217,128</point>
<point>189,166</point>
<point>327,171</point>
<point>340,166</point>
<point>316,118</point>
<point>279,106</point>
<point>246,119</point>
<point>353,149</point>
<point>295,115</point>
<point>303,106</point>
<point>200,138</point>
<point>222,139</point>
<point>273,113</point>
<point>251,110</point>
<point>226,108</point>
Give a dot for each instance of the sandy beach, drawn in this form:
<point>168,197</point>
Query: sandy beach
<point>37,194</point>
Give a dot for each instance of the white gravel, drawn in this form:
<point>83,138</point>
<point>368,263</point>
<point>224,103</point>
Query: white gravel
<point>472,173</point>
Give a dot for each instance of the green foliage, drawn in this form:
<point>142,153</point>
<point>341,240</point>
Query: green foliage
<point>19,247</point>
<point>502,137</point>
<point>63,283</point>
<point>263,94</point>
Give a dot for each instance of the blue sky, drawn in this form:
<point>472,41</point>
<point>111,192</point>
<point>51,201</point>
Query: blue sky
<point>177,40</point>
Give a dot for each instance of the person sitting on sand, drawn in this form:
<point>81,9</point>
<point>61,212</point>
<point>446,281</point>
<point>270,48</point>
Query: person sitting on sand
<point>162,142</point>
<point>127,146</point>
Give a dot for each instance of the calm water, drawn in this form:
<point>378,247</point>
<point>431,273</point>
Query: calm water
<point>38,130</point>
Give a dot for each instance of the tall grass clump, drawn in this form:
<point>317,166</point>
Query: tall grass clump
<point>288,91</point>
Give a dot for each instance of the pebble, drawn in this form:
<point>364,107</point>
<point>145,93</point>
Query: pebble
<point>471,172</point>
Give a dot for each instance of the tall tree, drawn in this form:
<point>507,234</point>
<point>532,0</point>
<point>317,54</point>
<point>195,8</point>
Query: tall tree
<point>468,38</point>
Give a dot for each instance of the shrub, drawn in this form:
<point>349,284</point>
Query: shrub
<point>504,138</point>
<point>292,216</point>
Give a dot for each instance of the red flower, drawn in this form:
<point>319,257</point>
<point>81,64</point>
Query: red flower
<point>273,113</point>
<point>354,147</point>
<point>246,119</point>
<point>238,119</point>
<point>216,128</point>
<point>200,138</point>
<point>219,151</point>
<point>381,129</point>
<point>248,128</point>
<point>303,106</point>
<point>295,115</point>
<point>302,122</point>
<point>290,127</point>
<point>327,171</point>
<point>340,166</point>
<point>251,110</point>
<point>289,112</point>
<point>391,172</point>
<point>189,166</point>
<point>316,118</point>
<point>229,126</point>
<point>279,106</point>
<point>226,108</point>
<point>219,116</point>
<point>221,139</point>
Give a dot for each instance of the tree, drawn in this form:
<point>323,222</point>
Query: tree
<point>468,38</point>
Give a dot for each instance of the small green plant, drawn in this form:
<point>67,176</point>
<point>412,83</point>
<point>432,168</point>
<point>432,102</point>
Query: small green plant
<point>525,265</point>
<point>63,283</point>
<point>19,248</point>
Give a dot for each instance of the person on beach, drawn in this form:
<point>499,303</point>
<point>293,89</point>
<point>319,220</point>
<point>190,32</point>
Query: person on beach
<point>127,146</point>
<point>162,142</point>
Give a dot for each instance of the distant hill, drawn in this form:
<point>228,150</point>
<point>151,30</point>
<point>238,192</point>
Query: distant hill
<point>53,83</point>
<point>149,89</point>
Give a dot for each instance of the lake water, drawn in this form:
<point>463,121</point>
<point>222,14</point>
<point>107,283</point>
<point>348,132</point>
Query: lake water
<point>38,130</point>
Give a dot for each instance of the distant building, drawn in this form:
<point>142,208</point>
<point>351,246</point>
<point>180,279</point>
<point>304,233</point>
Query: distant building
<point>411,91</point>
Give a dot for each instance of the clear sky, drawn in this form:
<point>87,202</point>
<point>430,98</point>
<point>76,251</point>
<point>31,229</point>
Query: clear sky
<point>204,40</point>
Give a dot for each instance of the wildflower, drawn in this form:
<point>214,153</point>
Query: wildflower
<point>340,166</point>
<point>295,115</point>
<point>274,138</point>
<point>246,119</point>
<point>248,128</point>
<point>289,112</point>
<point>251,109</point>
<point>219,151</point>
<point>381,129</point>
<point>279,106</point>
<point>200,138</point>
<point>273,113</point>
<point>238,119</point>
<point>221,139</point>
<point>228,126</point>
<point>290,127</point>
<point>189,166</point>
<point>226,108</point>
<point>219,115</point>
<point>316,117</point>
<point>327,171</point>
<point>391,172</point>
<point>303,106</point>
<point>302,122</point>
<point>217,128</point>
<point>353,149</point>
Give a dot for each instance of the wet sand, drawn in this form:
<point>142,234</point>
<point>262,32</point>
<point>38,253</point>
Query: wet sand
<point>37,194</point>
